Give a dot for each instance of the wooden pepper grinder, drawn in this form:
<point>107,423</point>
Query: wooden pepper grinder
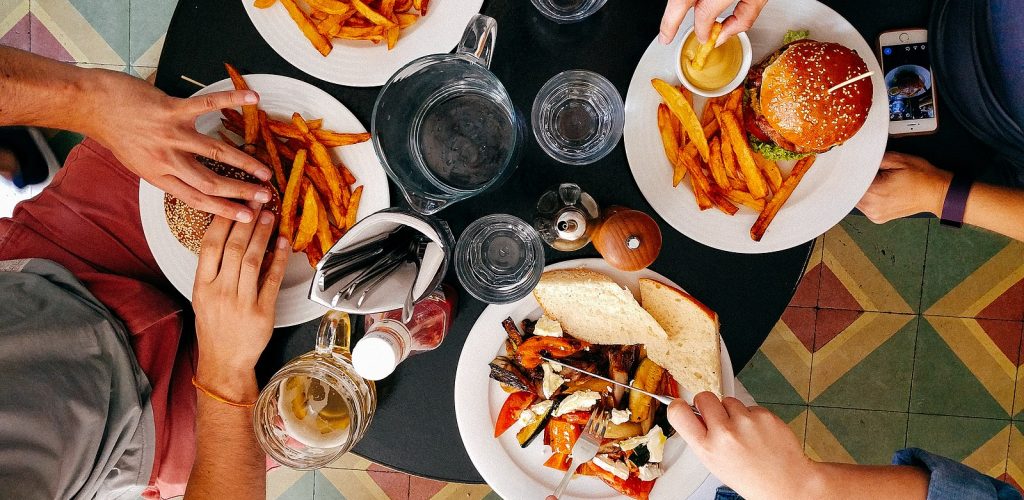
<point>628,239</point>
<point>568,218</point>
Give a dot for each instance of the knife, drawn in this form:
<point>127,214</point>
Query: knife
<point>660,398</point>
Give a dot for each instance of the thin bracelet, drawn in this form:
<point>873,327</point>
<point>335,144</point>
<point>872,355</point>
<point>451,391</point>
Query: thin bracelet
<point>215,397</point>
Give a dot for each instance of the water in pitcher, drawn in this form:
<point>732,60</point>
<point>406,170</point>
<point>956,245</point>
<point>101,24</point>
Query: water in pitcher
<point>464,138</point>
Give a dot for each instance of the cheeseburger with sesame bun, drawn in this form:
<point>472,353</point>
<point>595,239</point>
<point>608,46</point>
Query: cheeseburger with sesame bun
<point>189,224</point>
<point>790,113</point>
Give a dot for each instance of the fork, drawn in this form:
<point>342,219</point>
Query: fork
<point>586,446</point>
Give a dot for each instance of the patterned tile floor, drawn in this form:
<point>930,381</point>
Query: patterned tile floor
<point>905,334</point>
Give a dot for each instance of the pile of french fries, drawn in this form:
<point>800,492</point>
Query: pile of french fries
<point>330,202</point>
<point>373,20</point>
<point>714,151</point>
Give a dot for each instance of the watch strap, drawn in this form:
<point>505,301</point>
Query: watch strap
<point>955,204</point>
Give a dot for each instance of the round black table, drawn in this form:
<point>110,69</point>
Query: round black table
<point>414,429</point>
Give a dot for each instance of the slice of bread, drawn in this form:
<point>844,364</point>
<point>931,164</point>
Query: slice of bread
<point>692,353</point>
<point>592,307</point>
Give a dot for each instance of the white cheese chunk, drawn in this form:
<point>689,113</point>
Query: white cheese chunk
<point>633,442</point>
<point>656,444</point>
<point>620,416</point>
<point>534,412</point>
<point>649,472</point>
<point>552,381</point>
<point>547,327</point>
<point>580,400</point>
<point>619,469</point>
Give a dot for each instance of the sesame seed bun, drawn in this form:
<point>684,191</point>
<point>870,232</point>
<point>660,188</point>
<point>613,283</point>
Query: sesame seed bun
<point>794,101</point>
<point>189,224</point>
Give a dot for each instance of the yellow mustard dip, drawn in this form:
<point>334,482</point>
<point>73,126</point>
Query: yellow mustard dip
<point>721,67</point>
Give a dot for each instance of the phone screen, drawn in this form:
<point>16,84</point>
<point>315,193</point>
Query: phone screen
<point>908,80</point>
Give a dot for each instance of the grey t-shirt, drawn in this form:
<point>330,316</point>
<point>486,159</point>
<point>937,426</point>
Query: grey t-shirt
<point>75,415</point>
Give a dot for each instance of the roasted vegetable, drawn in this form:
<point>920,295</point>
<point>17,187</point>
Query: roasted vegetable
<point>504,370</point>
<point>620,364</point>
<point>623,430</point>
<point>588,383</point>
<point>632,487</point>
<point>512,331</point>
<point>563,435</point>
<point>531,349</point>
<point>560,461</point>
<point>648,377</point>
<point>527,434</point>
<point>510,411</point>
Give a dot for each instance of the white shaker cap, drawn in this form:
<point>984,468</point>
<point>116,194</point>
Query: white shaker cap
<point>374,357</point>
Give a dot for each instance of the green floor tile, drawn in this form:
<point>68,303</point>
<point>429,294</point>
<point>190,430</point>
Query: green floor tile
<point>896,248</point>
<point>980,442</point>
<point>865,436</point>
<point>943,384</point>
<point>881,381</point>
<point>766,384</point>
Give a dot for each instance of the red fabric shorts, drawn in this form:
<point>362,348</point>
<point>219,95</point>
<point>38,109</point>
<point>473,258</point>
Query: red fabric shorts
<point>87,220</point>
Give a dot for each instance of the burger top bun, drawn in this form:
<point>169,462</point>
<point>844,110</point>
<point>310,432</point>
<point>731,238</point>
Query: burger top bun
<point>189,224</point>
<point>795,98</point>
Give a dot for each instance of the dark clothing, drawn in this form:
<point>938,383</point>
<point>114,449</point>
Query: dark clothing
<point>976,47</point>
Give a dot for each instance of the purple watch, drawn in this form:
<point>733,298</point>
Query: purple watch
<point>956,200</point>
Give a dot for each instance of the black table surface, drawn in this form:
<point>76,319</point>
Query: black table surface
<point>414,429</point>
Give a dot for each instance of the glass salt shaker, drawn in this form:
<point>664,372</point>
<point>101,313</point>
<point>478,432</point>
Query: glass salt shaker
<point>388,341</point>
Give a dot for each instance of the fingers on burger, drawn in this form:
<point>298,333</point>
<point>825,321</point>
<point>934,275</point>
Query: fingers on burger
<point>790,112</point>
<point>189,224</point>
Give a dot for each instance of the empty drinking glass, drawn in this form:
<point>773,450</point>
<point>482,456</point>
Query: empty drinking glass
<point>568,11</point>
<point>499,259</point>
<point>578,117</point>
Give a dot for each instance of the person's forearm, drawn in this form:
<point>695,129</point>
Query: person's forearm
<point>229,462</point>
<point>996,208</point>
<point>41,92</point>
<point>832,480</point>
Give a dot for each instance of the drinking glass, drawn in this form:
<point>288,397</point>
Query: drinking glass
<point>578,117</point>
<point>316,407</point>
<point>444,126</point>
<point>499,259</point>
<point>568,11</point>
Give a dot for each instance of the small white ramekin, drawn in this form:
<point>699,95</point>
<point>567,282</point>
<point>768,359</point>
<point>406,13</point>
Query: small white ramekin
<point>736,82</point>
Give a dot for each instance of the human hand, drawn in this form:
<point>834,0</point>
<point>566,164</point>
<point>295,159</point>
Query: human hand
<point>750,449</point>
<point>905,185</point>
<point>234,307</point>
<point>705,14</point>
<point>154,136</point>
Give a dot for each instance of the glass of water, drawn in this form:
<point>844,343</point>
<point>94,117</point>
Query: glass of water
<point>499,259</point>
<point>578,117</point>
<point>444,126</point>
<point>568,11</point>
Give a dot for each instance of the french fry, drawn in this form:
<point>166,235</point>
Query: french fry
<point>330,6</point>
<point>703,200</point>
<point>372,15</point>
<point>721,202</point>
<point>323,226</point>
<point>669,139</point>
<point>313,253</point>
<point>317,15</point>
<point>263,4</point>
<point>734,99</point>
<point>320,42</point>
<point>353,208</point>
<point>686,93</point>
<point>270,143</point>
<point>406,20</point>
<point>252,126</point>
<point>421,5</point>
<point>729,160</point>
<point>715,165</point>
<point>744,198</point>
<point>347,174</point>
<point>333,139</point>
<point>403,5</point>
<point>705,48</point>
<point>744,156</point>
<point>308,222</point>
<point>771,171</point>
<point>321,158</point>
<point>771,209</point>
<point>699,182</point>
<point>684,112</point>
<point>290,202</point>
<point>337,210</point>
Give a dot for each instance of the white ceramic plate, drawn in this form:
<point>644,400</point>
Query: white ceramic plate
<point>514,472</point>
<point>830,189</point>
<point>360,63</point>
<point>279,96</point>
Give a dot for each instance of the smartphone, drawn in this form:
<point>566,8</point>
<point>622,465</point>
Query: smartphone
<point>909,83</point>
